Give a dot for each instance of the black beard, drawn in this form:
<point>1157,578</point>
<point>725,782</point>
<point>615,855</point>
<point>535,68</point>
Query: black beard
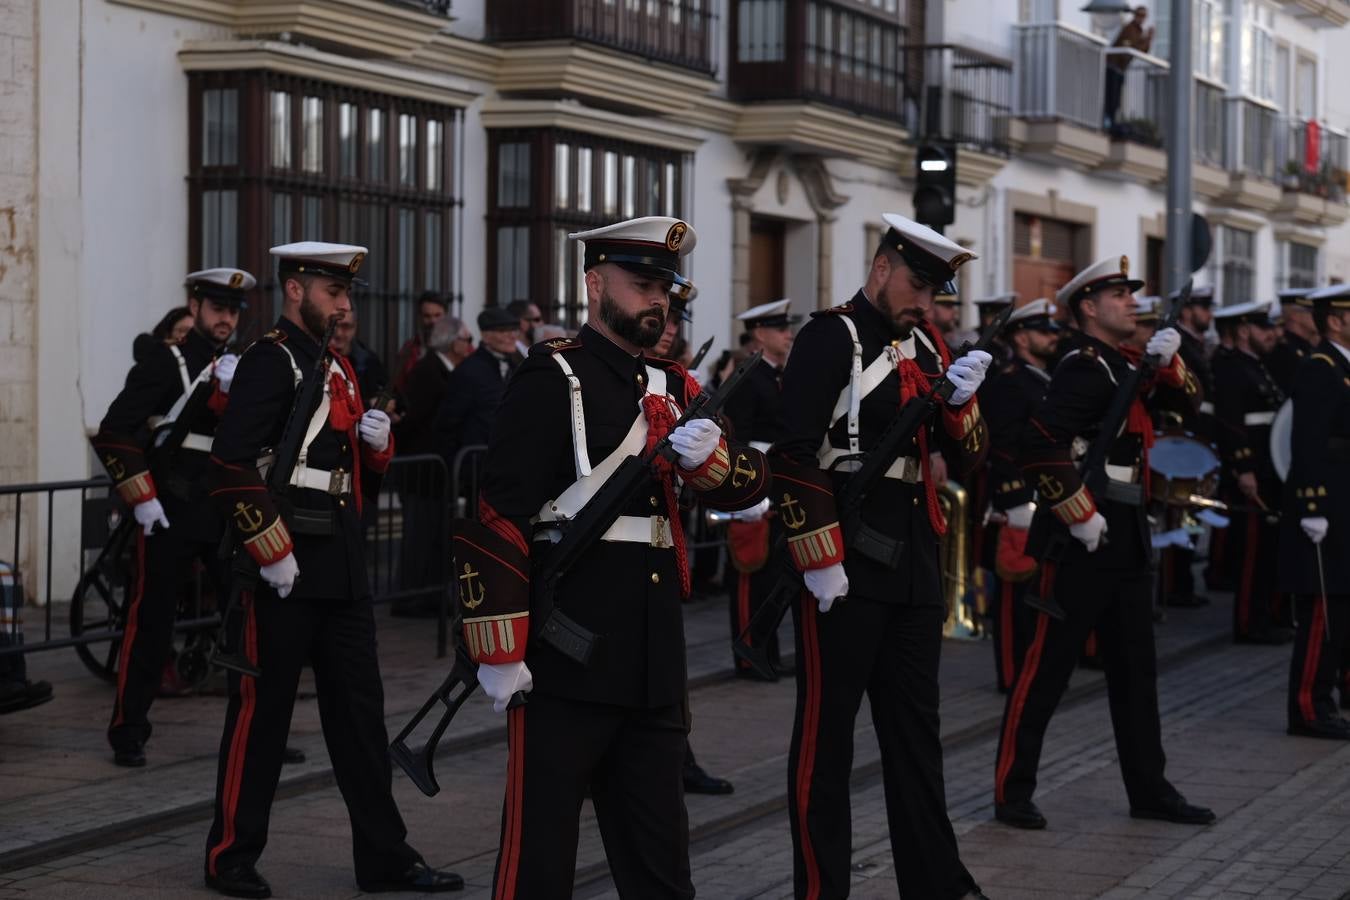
<point>630,328</point>
<point>315,322</point>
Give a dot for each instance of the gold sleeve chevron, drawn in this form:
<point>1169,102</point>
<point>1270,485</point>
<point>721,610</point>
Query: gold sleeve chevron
<point>137,489</point>
<point>1078,508</point>
<point>963,420</point>
<point>271,544</point>
<point>497,639</point>
<point>1178,376</point>
<point>817,549</point>
<point>713,472</point>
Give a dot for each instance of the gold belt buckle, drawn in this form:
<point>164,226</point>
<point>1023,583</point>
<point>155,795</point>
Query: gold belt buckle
<point>661,536</point>
<point>337,482</point>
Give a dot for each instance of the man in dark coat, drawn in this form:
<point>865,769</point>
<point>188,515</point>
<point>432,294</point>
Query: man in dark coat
<point>475,388</point>
<point>449,345</point>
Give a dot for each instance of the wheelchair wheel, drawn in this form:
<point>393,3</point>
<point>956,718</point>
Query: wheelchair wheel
<point>100,603</point>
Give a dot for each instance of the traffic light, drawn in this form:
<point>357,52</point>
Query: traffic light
<point>935,184</point>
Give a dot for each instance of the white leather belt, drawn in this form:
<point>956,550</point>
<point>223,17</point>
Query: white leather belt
<point>198,442</point>
<point>1123,474</point>
<point>336,482</point>
<point>905,468</point>
<point>1259,418</point>
<point>1206,408</point>
<point>651,530</point>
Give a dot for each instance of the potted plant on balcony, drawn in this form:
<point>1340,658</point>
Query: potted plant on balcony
<point>1293,176</point>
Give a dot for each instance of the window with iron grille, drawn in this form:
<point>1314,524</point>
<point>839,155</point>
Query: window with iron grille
<point>1302,265</point>
<point>1239,266</point>
<point>546,183</point>
<point>327,163</point>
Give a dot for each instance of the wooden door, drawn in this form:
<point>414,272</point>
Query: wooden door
<point>766,260</point>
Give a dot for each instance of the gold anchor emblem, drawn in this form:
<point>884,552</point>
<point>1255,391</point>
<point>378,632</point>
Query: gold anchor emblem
<point>741,475</point>
<point>1051,487</point>
<point>248,517</point>
<point>115,467</point>
<point>470,599</point>
<point>791,511</point>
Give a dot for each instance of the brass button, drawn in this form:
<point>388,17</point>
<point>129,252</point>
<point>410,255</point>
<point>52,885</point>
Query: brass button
<point>654,502</point>
<point>344,448</point>
<point>641,379</point>
<point>656,578</point>
<point>916,501</point>
<point>342,503</point>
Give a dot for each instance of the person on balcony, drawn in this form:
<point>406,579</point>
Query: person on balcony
<point>1133,36</point>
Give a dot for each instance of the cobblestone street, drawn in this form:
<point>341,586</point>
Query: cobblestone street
<point>76,826</point>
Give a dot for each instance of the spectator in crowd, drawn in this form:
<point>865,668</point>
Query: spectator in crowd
<point>17,690</point>
<point>171,329</point>
<point>431,308</point>
<point>371,375</point>
<point>530,318</point>
<point>476,385</point>
<point>450,343</point>
<point>550,333</point>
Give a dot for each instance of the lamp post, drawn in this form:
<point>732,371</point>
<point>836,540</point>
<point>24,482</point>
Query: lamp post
<point>1179,261</point>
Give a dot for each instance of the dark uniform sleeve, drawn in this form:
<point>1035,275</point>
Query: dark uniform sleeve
<point>151,387</point>
<point>1007,408</point>
<point>962,436</point>
<point>1079,394</point>
<point>1229,409</point>
<point>1311,472</point>
<point>1185,391</point>
<point>736,475</point>
<point>260,399</point>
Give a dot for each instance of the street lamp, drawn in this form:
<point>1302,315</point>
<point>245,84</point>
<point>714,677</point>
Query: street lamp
<point>1107,7</point>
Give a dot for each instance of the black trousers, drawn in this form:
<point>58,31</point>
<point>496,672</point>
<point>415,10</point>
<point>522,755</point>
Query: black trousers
<point>632,760</point>
<point>1014,623</point>
<point>890,653</point>
<point>163,568</point>
<point>1319,646</point>
<point>1118,605</point>
<point>747,595</point>
<point>337,638</point>
<point>1254,545</point>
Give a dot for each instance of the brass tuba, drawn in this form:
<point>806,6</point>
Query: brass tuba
<point>954,556</point>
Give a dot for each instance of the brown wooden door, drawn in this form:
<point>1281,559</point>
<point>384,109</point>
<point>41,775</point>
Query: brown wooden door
<point>1034,278</point>
<point>766,260</point>
<point>1046,254</point>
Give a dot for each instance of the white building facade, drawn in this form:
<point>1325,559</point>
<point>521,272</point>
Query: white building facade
<point>461,141</point>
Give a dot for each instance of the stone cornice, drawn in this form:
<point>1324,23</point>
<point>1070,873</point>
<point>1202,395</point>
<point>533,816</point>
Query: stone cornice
<point>498,112</point>
<point>812,128</point>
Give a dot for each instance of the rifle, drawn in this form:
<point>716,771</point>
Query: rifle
<point>1094,463</point>
<point>244,572</point>
<point>860,538</point>
<point>559,630</point>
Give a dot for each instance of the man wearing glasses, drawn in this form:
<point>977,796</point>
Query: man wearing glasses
<point>530,319</point>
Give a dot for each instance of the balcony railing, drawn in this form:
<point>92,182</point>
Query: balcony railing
<point>678,32</point>
<point>1253,129</point>
<point>1313,159</point>
<point>1211,124</point>
<point>1139,112</point>
<point>1060,74</point>
<point>438,7</point>
<point>821,50</point>
<point>966,97</point>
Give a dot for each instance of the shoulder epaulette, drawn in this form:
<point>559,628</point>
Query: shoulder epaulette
<point>841,309</point>
<point>1324,358</point>
<point>557,345</point>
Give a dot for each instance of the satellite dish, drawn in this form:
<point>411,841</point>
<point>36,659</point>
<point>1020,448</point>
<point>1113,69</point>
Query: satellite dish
<point>1282,440</point>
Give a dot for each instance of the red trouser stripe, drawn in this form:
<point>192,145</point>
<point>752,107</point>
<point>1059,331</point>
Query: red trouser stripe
<point>1005,632</point>
<point>1244,596</point>
<point>1090,645</point>
<point>806,752</point>
<point>129,633</point>
<point>508,863</point>
<point>1312,658</point>
<point>1015,704</point>
<point>234,770</point>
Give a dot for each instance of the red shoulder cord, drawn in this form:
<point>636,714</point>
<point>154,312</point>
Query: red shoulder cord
<point>913,383</point>
<point>344,412</point>
<point>660,421</point>
<point>1138,421</point>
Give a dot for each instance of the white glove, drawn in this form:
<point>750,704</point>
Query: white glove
<point>695,441</point>
<point>280,575</point>
<point>225,367</point>
<point>1315,528</point>
<point>374,429</point>
<point>501,681</point>
<point>967,373</point>
<point>1164,345</point>
<point>1090,532</point>
<point>826,585</point>
<point>1020,516</point>
<point>149,512</point>
<point>753,514</point>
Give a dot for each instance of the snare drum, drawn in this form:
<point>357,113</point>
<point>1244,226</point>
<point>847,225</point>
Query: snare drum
<point>1181,466</point>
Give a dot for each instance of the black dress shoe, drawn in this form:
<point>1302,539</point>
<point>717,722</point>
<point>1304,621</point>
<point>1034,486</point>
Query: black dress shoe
<point>1273,635</point>
<point>1020,814</point>
<point>131,756</point>
<point>241,880</point>
<point>20,695</point>
<point>697,781</point>
<point>419,877</point>
<point>1174,809</point>
<point>783,670</point>
<point>1332,728</point>
<point>291,756</point>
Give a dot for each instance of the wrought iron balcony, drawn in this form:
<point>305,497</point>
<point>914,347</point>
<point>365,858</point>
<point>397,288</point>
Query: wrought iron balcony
<point>1313,159</point>
<point>1211,124</point>
<point>834,52</point>
<point>966,95</point>
<point>1140,110</point>
<point>677,32</point>
<point>1060,74</point>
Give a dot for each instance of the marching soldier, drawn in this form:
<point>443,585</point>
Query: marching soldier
<point>1099,584</point>
<point>1009,398</point>
<point>1193,320</point>
<point>1315,529</point>
<point>988,309</point>
<point>166,496</point>
<point>756,415</point>
<point>871,620</point>
<point>314,605</point>
<point>614,723</point>
<point>1244,411</point>
<point>1297,338</point>
<point>945,315</point>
